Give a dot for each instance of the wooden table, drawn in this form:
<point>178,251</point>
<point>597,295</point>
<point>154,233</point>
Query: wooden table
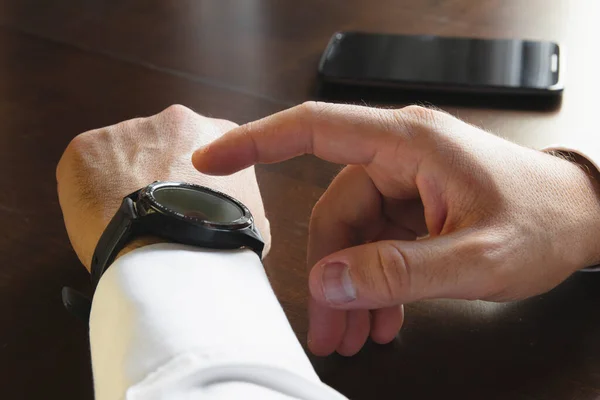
<point>66,67</point>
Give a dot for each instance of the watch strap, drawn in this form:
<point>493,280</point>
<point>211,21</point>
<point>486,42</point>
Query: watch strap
<point>115,237</point>
<point>127,223</point>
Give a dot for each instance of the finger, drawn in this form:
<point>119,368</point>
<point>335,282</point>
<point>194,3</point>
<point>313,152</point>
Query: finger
<point>337,224</point>
<point>408,213</point>
<point>344,134</point>
<point>385,323</point>
<point>395,232</point>
<point>331,230</point>
<point>388,273</point>
<point>335,217</point>
<point>326,328</point>
<point>357,331</point>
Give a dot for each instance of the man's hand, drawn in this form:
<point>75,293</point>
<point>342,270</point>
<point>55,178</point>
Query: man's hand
<point>428,207</point>
<point>100,167</point>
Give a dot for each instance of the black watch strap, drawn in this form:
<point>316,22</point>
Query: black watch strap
<point>141,214</point>
<point>115,237</point>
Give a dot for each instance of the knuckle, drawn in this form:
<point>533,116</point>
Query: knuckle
<point>79,143</point>
<point>176,110</point>
<point>392,266</point>
<point>74,152</point>
<point>177,122</point>
<point>311,107</point>
<point>177,113</point>
<point>309,113</point>
<point>491,250</point>
<point>421,114</point>
<point>414,117</point>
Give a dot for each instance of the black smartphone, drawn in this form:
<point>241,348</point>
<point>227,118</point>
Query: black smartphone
<point>437,63</point>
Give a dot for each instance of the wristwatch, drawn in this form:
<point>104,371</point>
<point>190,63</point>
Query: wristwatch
<point>176,212</point>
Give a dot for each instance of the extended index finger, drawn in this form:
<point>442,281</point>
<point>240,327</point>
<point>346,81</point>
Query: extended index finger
<point>344,134</point>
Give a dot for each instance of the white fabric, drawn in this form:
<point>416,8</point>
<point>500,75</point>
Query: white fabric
<point>177,322</point>
<point>588,150</point>
<point>591,153</point>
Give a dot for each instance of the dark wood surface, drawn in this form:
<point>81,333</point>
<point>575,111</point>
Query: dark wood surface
<point>66,67</point>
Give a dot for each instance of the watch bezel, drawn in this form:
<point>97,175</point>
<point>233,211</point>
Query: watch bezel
<point>147,203</point>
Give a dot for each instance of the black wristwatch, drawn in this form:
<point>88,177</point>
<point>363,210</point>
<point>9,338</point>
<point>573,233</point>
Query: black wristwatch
<point>177,212</point>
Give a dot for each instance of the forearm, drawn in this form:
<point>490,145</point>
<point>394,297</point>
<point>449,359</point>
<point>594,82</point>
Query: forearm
<point>169,311</point>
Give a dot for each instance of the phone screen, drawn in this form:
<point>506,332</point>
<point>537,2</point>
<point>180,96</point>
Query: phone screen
<point>435,61</point>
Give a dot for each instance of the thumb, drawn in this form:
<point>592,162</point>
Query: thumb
<point>387,273</point>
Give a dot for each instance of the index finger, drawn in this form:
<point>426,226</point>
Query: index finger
<point>343,134</point>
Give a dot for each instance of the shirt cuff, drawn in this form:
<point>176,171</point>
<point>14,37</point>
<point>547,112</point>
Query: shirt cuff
<point>592,155</point>
<point>167,302</point>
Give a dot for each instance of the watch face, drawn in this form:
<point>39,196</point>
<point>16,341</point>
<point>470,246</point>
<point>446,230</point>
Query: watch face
<point>198,203</point>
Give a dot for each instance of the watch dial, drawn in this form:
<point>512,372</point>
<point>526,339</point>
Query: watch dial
<point>198,204</point>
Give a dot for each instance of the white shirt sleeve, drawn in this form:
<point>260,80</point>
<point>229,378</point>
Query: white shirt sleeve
<point>170,321</point>
<point>588,149</point>
<point>590,153</point>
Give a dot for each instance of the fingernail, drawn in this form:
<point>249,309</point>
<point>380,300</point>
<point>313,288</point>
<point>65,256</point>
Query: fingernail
<point>337,284</point>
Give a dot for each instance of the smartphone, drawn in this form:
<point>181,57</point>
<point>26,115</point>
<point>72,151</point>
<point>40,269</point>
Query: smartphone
<point>437,63</point>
